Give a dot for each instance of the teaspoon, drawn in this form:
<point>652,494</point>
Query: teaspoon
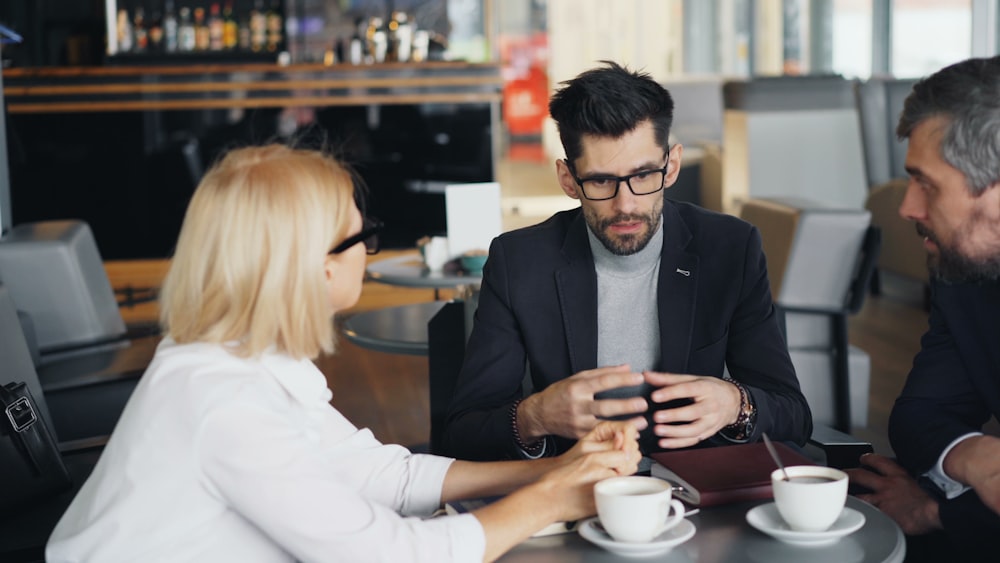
<point>774,455</point>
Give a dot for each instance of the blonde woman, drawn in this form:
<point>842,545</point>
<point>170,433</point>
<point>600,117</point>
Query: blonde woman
<point>229,450</point>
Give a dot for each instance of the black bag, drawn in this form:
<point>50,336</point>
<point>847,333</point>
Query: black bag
<point>31,466</point>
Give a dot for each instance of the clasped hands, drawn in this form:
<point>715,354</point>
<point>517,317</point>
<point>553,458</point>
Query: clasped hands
<point>568,407</point>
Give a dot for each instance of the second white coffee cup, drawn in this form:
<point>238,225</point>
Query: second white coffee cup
<point>435,253</point>
<point>636,509</point>
<point>812,498</point>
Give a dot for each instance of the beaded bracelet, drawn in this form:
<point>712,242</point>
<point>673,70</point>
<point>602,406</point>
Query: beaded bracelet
<point>532,449</point>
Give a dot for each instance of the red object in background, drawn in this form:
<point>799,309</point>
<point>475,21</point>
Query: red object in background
<point>526,103</point>
<point>524,59</point>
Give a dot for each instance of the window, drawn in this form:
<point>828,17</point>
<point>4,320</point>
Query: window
<point>852,38</point>
<point>929,34</point>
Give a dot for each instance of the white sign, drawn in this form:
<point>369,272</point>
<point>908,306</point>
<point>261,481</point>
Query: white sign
<point>474,215</point>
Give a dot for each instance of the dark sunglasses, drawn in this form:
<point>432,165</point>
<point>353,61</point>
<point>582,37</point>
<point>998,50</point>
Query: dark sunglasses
<point>370,229</point>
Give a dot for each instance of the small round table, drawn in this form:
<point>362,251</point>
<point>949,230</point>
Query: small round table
<point>396,330</point>
<point>409,270</point>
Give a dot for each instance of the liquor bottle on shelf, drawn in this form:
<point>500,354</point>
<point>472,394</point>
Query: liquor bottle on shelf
<point>258,27</point>
<point>356,47</point>
<point>230,29</point>
<point>201,35</point>
<point>376,40</point>
<point>169,28</point>
<point>215,27</point>
<point>421,46</point>
<point>156,32</point>
<point>139,30</point>
<point>123,30</point>
<point>401,39</point>
<point>185,32</point>
<point>243,35</point>
<point>275,27</point>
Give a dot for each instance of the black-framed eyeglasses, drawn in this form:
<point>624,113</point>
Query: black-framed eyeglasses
<point>644,182</point>
<point>370,228</point>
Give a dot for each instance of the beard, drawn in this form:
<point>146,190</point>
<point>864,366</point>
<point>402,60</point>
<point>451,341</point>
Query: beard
<point>624,245</point>
<point>951,266</point>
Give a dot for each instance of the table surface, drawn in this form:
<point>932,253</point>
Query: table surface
<point>723,536</point>
<point>409,270</point>
<point>396,330</point>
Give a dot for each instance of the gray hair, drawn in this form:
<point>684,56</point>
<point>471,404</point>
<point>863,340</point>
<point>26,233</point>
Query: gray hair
<point>968,93</point>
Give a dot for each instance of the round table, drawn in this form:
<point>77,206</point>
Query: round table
<point>409,270</point>
<point>396,330</point>
<point>723,536</point>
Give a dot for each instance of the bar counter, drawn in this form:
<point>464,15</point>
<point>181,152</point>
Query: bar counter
<point>225,86</point>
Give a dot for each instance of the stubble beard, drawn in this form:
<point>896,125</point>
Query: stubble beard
<point>950,265</point>
<point>629,244</point>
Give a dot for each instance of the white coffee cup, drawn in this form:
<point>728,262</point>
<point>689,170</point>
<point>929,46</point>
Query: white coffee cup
<point>636,509</point>
<point>435,253</point>
<point>812,498</point>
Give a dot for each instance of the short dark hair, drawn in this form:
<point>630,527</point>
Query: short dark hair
<point>610,101</point>
<point>967,93</point>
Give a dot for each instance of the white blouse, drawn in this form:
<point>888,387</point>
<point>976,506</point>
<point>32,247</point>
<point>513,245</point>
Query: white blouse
<point>219,458</point>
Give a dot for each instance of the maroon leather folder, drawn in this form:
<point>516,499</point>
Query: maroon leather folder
<point>723,474</point>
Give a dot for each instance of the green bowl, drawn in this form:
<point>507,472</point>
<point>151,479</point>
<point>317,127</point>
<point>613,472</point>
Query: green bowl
<point>473,264</point>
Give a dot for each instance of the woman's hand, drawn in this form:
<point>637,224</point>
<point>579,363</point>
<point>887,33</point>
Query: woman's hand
<point>557,489</point>
<point>609,450</point>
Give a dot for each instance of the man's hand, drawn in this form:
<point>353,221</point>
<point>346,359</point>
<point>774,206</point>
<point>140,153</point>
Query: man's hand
<point>896,494</point>
<point>716,405</point>
<point>568,408</point>
<point>976,462</point>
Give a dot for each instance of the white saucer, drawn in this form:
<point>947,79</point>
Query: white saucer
<point>592,531</point>
<point>767,519</point>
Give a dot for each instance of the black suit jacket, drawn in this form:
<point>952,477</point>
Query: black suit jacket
<point>538,309</point>
<point>953,389</point>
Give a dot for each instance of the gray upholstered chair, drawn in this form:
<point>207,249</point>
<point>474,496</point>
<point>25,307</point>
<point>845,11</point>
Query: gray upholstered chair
<point>904,254</point>
<point>55,275</point>
<point>819,261</point>
<point>86,362</point>
<point>789,136</point>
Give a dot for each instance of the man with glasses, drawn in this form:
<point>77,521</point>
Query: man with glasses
<point>631,306</point>
<point>951,511</point>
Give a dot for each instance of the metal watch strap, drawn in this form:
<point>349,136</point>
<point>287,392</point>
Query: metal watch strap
<point>743,427</point>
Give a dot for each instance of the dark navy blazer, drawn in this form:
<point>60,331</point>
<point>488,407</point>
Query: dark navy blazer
<point>538,308</point>
<point>953,389</point>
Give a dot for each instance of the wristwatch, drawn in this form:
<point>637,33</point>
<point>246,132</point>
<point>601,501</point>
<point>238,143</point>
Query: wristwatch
<point>742,429</point>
